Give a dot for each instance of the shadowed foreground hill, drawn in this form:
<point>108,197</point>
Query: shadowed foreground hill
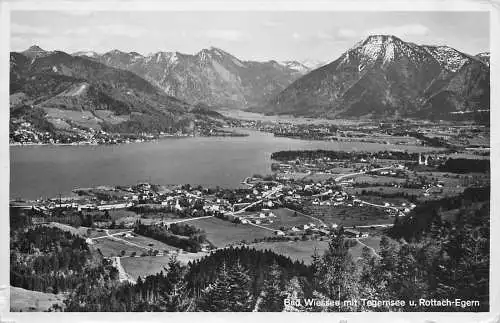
<point>75,91</point>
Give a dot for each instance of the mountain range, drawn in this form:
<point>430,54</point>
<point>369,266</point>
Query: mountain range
<point>73,92</point>
<point>384,76</point>
<point>211,76</point>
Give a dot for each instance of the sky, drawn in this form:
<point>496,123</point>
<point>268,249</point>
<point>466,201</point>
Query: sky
<point>250,35</point>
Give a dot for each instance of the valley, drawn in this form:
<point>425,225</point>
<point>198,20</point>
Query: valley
<point>204,182</point>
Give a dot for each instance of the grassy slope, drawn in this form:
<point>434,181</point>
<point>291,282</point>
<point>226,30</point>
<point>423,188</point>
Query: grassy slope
<point>23,300</point>
<point>222,233</point>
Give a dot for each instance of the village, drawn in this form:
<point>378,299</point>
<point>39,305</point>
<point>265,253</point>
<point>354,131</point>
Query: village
<point>301,197</point>
<point>309,197</point>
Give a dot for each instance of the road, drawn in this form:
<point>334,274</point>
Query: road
<point>383,206</point>
<point>110,235</point>
<point>363,172</point>
<point>371,225</point>
<point>189,219</point>
<point>122,274</point>
<point>306,215</point>
<point>372,250</point>
<point>273,191</point>
<point>262,227</point>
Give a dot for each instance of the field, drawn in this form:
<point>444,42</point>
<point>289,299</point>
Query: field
<point>112,248</point>
<point>372,179</point>
<point>296,250</point>
<point>371,241</point>
<point>222,233</point>
<point>96,233</point>
<point>150,265</point>
<point>23,300</point>
<point>143,266</point>
<point>139,244</point>
<point>81,118</point>
<point>303,250</point>
<point>149,243</point>
<point>81,231</point>
<point>285,218</point>
<point>349,216</point>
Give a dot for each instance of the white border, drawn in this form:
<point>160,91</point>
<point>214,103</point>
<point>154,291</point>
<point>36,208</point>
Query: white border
<point>8,6</point>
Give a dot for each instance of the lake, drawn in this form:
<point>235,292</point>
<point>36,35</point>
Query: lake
<point>46,171</point>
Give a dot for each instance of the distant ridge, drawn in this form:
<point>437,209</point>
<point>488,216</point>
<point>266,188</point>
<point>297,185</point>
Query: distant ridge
<point>211,76</point>
<point>384,76</point>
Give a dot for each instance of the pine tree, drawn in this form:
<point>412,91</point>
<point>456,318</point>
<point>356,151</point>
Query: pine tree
<point>294,293</point>
<point>230,292</point>
<point>272,299</point>
<point>241,297</point>
<point>215,297</point>
<point>175,296</point>
<point>337,273</point>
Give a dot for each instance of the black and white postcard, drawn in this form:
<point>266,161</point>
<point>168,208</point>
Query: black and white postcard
<point>239,157</point>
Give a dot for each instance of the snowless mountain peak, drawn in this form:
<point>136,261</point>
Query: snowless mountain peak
<point>35,48</point>
<point>34,52</point>
<point>484,57</point>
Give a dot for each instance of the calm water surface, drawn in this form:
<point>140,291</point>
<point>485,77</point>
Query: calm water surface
<point>45,171</point>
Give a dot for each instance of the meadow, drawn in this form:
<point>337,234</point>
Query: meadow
<point>222,233</point>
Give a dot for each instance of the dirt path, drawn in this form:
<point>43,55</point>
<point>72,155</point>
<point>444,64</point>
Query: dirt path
<point>372,250</point>
<point>122,274</point>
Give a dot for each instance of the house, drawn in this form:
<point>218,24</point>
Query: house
<point>85,207</point>
<point>279,233</point>
<point>114,206</point>
<point>352,233</point>
<point>323,232</point>
<point>364,234</point>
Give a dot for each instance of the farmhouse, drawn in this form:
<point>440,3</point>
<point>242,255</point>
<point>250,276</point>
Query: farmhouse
<point>114,206</point>
<point>352,233</point>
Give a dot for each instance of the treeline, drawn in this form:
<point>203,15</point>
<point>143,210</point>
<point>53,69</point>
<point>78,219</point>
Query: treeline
<point>204,271</point>
<point>420,220</point>
<point>464,165</point>
<point>431,141</point>
<point>410,197</point>
<point>185,229</point>
<point>287,155</point>
<point>227,280</point>
<point>51,260</point>
<point>446,259</point>
<point>159,293</point>
<point>163,234</point>
<point>451,261</point>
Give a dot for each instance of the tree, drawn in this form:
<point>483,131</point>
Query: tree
<point>336,273</point>
<point>230,292</point>
<point>174,297</point>
<point>293,292</point>
<point>215,297</point>
<point>272,299</point>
